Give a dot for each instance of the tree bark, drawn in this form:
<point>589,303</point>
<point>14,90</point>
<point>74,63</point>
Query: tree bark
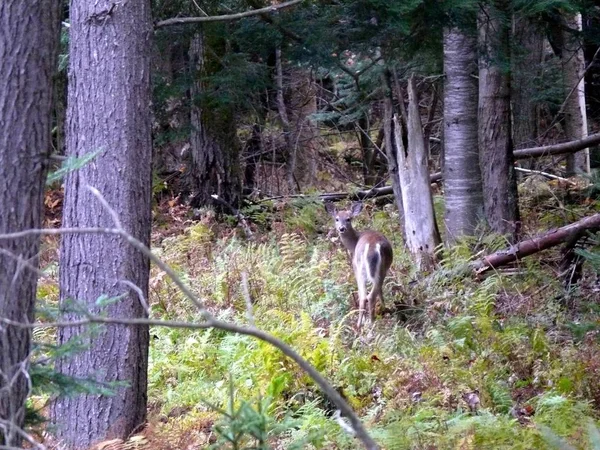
<point>526,63</point>
<point>28,50</point>
<point>495,142</point>
<point>108,113</point>
<point>420,227</point>
<point>461,172</point>
<point>215,149</point>
<point>573,66</point>
<point>290,156</point>
<point>301,98</point>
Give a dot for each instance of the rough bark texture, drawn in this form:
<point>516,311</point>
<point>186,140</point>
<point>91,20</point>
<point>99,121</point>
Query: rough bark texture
<point>109,113</point>
<point>495,142</point>
<point>301,102</point>
<point>290,157</point>
<point>215,148</point>
<point>573,65</point>
<point>526,62</point>
<point>422,236</point>
<point>28,45</point>
<point>461,173</point>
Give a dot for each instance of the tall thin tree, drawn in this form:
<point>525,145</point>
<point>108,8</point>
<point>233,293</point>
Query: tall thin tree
<point>108,114</point>
<point>573,66</point>
<point>28,49</point>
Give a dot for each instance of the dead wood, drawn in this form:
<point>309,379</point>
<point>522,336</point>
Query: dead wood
<point>558,149</point>
<point>530,246</point>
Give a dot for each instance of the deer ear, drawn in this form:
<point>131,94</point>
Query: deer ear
<point>356,208</point>
<point>330,208</point>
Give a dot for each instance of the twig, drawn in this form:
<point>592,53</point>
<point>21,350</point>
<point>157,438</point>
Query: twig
<point>545,174</point>
<point>239,216</point>
<point>248,298</point>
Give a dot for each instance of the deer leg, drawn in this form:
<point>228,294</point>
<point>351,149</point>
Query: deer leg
<point>362,297</point>
<point>372,300</point>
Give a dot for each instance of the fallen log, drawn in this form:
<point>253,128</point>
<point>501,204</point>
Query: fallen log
<point>356,195</point>
<point>536,244</point>
<point>558,149</point>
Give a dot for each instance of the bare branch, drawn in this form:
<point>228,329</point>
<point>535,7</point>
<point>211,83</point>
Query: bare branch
<point>227,17</point>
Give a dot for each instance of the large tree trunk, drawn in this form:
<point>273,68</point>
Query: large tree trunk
<point>573,65</point>
<point>302,102</point>
<point>296,102</point>
<point>215,149</point>
<point>526,62</point>
<point>420,227</point>
<point>28,48</point>
<point>461,173</point>
<point>500,196</point>
<point>109,113</point>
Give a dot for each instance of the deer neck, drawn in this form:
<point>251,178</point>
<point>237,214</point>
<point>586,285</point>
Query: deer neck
<point>349,239</point>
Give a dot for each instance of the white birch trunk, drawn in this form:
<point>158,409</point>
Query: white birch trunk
<point>461,174</point>
<point>573,66</point>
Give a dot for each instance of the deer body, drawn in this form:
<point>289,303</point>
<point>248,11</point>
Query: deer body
<point>371,255</point>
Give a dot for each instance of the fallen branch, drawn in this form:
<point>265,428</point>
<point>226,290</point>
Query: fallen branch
<point>356,195</point>
<point>558,149</point>
<point>536,244</point>
<point>544,174</point>
<point>224,18</point>
<point>238,215</point>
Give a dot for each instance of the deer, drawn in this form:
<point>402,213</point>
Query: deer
<point>371,255</point>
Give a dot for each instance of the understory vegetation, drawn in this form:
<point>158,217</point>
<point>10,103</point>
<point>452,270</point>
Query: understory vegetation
<point>507,361</point>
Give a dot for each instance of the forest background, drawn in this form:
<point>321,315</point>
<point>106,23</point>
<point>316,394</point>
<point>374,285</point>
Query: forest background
<point>213,132</point>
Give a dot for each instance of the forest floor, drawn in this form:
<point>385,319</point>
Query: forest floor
<point>508,361</point>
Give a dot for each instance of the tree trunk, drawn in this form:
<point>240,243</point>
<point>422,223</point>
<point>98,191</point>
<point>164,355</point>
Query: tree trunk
<point>390,132</point>
<point>296,101</point>
<point>461,173</point>
<point>573,65</point>
<point>422,236</point>
<point>215,149</point>
<point>28,49</point>
<point>290,156</point>
<point>526,63</point>
<point>109,113</point>
<point>500,196</point>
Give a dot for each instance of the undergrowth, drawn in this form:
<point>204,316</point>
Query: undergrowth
<point>492,363</point>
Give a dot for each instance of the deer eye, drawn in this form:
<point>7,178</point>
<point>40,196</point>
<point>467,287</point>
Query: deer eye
<point>337,219</point>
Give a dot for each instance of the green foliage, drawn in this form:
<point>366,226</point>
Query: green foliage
<point>71,164</point>
<point>503,337</point>
<point>244,426</point>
